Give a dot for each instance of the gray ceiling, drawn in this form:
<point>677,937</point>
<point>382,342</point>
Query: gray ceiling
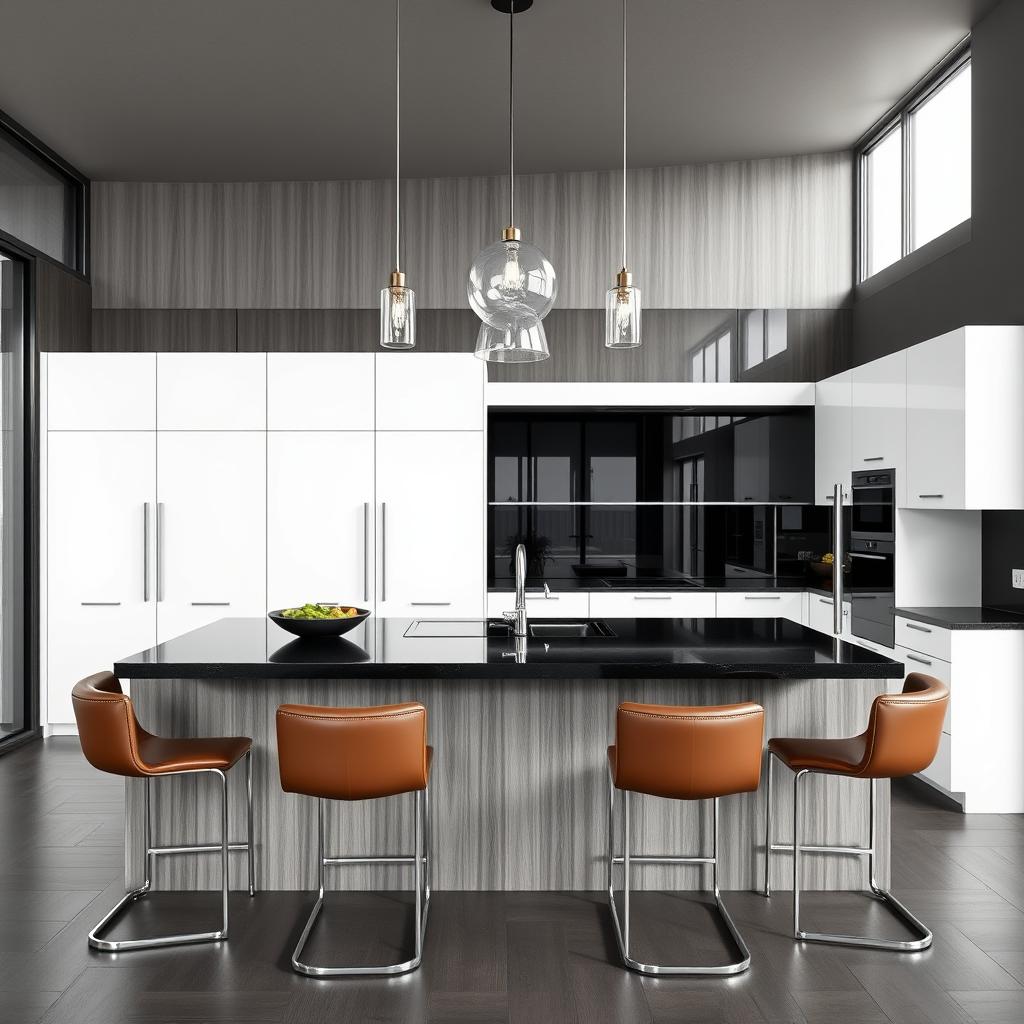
<point>239,90</point>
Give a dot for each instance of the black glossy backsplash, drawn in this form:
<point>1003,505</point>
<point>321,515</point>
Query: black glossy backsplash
<point>1002,550</point>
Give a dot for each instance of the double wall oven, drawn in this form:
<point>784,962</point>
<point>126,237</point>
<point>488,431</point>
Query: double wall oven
<point>871,550</point>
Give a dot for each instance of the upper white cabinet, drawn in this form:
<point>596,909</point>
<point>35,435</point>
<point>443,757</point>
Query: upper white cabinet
<point>211,528</point>
<point>320,390</point>
<point>320,518</point>
<point>965,420</point>
<point>430,494</point>
<point>879,418</point>
<point>430,391</point>
<point>833,401</point>
<point>101,390</point>
<point>211,391</point>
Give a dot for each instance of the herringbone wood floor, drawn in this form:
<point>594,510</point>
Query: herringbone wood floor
<point>528,958</point>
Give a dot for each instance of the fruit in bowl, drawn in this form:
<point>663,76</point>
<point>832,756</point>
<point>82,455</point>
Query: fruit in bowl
<point>320,611</point>
<point>319,619</point>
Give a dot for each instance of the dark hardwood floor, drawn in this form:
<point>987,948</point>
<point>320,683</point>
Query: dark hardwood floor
<point>529,958</point>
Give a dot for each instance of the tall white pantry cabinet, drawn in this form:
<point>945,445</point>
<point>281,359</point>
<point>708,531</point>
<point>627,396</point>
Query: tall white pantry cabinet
<point>180,488</point>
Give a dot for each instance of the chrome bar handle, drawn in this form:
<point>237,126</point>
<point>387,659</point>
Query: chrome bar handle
<point>366,552</point>
<point>145,551</point>
<point>837,560</point>
<point>159,551</point>
<point>383,551</point>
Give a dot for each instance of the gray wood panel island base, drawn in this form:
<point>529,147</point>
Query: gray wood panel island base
<point>519,788</point>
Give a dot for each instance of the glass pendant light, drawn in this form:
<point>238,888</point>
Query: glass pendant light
<point>512,285</point>
<point>397,302</point>
<point>523,342</point>
<point>622,308</point>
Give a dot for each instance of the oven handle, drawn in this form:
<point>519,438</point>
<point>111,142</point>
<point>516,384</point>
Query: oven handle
<point>862,554</point>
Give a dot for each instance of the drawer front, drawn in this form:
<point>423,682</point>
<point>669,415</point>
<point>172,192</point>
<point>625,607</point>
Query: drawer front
<point>646,605</point>
<point>915,662</point>
<point>940,771</point>
<point>819,614</point>
<point>557,606</point>
<point>759,606</point>
<point>933,641</point>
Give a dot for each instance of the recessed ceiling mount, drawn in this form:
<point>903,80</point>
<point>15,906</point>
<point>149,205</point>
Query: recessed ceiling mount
<point>511,6</point>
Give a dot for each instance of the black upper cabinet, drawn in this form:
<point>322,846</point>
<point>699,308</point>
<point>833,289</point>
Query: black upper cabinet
<point>774,458</point>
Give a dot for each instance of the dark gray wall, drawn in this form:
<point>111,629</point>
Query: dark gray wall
<point>1002,549</point>
<point>979,282</point>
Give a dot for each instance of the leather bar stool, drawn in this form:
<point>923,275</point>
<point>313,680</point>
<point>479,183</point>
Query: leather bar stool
<point>681,753</point>
<point>360,754</point>
<point>113,741</point>
<point>901,738</point>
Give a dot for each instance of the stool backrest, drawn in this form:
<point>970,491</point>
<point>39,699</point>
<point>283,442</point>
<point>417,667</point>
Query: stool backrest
<point>688,753</point>
<point>904,729</point>
<point>107,727</point>
<point>352,753</point>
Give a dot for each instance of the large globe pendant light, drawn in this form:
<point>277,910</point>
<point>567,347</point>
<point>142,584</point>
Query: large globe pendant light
<point>512,285</point>
<point>397,301</point>
<point>622,308</point>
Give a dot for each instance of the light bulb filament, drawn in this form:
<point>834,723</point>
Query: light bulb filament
<point>512,277</point>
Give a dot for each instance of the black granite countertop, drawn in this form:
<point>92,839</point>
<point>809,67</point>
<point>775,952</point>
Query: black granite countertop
<point>964,618</point>
<point>407,649</point>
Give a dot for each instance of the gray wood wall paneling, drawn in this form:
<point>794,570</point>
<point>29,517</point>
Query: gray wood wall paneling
<point>164,330</point>
<point>63,303</point>
<point>773,232</point>
<point>519,787</point>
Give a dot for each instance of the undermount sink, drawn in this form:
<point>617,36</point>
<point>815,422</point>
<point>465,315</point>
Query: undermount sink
<point>592,629</point>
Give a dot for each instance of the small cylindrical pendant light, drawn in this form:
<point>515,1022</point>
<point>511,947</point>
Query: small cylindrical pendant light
<point>622,308</point>
<point>398,302</point>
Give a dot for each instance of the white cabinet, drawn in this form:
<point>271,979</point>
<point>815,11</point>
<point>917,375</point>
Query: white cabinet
<point>965,420</point>
<point>101,595</point>
<point>429,391</point>
<point>430,496</point>
<point>833,400</point>
<point>101,390</point>
<point>211,527</point>
<point>563,605</point>
<point>320,517</point>
<point>879,417</point>
<point>320,390</point>
<point>820,614</point>
<point>647,605</point>
<point>211,390</point>
<point>759,605</point>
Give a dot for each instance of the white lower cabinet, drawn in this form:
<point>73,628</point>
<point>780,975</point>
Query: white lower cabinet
<point>646,605</point>
<point>820,614</point>
<point>430,523</point>
<point>564,605</point>
<point>759,605</point>
<point>320,518</point>
<point>101,598</point>
<point>211,527</point>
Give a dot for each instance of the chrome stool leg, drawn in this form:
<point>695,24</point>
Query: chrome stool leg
<point>152,852</point>
<point>628,858</point>
<point>884,896</point>
<point>420,860</point>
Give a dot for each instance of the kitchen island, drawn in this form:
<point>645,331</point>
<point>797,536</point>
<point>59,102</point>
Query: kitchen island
<point>520,730</point>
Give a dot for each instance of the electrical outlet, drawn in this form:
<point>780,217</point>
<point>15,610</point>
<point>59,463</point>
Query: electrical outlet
<point>1018,578</point>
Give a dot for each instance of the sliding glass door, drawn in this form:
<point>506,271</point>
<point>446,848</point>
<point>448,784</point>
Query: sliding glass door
<point>14,695</point>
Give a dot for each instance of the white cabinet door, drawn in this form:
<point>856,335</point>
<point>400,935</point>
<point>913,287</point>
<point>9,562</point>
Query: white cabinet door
<point>832,441</point>
<point>819,614</point>
<point>936,427</point>
<point>566,605</point>
<point>101,489</point>
<point>101,390</point>
<point>211,390</point>
<point>320,518</point>
<point>645,605</point>
<point>879,421</point>
<point>211,527</point>
<point>430,391</point>
<point>430,501</point>
<point>320,390</point>
<point>759,605</point>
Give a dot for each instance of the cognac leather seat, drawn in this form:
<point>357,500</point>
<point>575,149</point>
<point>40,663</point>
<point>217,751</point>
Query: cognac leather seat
<point>113,741</point>
<point>353,753</point>
<point>902,736</point>
<point>687,753</point>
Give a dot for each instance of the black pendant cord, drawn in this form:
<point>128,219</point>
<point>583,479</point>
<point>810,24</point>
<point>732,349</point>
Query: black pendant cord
<point>623,134</point>
<point>398,128</point>
<point>511,117</point>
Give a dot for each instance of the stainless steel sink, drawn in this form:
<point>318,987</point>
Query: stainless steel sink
<point>592,629</point>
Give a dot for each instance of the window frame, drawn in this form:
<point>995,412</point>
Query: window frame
<point>899,116</point>
<point>77,224</point>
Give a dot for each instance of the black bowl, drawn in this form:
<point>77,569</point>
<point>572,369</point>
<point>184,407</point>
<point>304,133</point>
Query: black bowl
<point>318,627</point>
